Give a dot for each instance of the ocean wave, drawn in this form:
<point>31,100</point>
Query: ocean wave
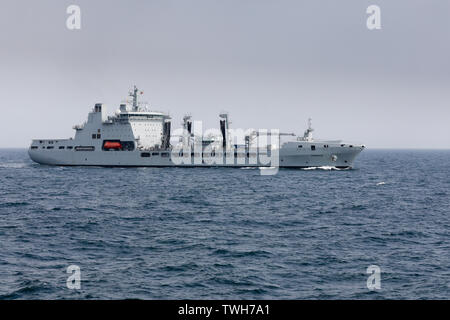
<point>247,253</point>
<point>14,165</point>
<point>14,204</point>
<point>25,289</point>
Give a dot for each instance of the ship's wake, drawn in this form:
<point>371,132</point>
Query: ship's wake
<point>325,168</point>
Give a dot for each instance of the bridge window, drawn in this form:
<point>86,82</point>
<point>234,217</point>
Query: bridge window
<point>94,136</point>
<point>34,147</point>
<point>155,154</point>
<point>145,154</point>
<point>62,147</point>
<point>69,147</point>
<point>313,148</point>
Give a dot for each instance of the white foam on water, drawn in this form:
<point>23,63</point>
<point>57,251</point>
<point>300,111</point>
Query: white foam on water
<point>13,165</point>
<point>322,168</point>
<point>381,183</point>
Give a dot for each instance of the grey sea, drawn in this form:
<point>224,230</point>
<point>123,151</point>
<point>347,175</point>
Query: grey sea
<point>223,233</point>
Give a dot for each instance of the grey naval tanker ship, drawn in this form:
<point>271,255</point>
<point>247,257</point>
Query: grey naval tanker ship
<point>138,137</point>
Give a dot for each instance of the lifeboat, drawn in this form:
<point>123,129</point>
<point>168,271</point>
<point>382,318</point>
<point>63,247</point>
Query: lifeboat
<point>112,145</point>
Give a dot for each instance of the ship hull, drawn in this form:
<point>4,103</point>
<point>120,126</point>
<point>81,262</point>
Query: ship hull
<point>334,157</point>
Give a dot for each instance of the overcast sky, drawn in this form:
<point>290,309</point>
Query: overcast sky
<point>271,64</point>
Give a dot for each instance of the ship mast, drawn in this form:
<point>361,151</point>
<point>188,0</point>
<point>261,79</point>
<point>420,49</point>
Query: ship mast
<point>308,133</point>
<point>134,95</point>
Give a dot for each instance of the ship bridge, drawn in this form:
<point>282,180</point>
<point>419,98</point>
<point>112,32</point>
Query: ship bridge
<point>132,124</point>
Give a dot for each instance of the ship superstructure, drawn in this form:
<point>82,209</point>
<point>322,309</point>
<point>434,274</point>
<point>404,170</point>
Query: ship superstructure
<point>137,136</point>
